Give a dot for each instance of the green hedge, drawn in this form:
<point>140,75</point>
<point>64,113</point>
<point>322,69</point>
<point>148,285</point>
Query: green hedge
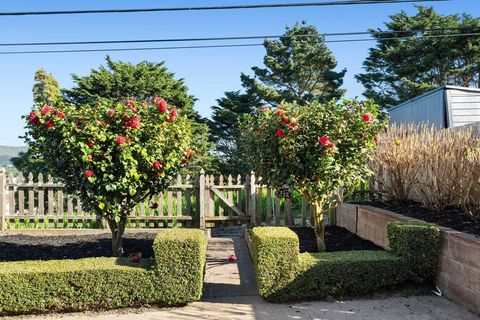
<point>180,256</point>
<point>107,283</point>
<point>275,256</point>
<point>419,244</point>
<point>285,275</point>
<point>340,274</point>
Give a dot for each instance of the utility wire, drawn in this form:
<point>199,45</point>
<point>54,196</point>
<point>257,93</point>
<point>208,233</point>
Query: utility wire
<point>205,8</point>
<point>227,45</point>
<point>16,44</point>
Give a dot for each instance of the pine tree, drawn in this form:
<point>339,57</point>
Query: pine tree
<point>298,67</point>
<point>404,65</point>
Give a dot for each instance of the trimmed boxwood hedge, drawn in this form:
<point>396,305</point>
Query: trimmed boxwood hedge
<point>283,274</point>
<point>107,283</point>
<point>418,243</point>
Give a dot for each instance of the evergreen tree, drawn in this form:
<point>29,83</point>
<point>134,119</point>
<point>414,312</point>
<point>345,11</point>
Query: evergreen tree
<point>46,89</point>
<point>298,67</point>
<point>225,132</point>
<point>404,65</point>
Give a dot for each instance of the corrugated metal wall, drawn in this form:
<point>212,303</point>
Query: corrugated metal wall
<point>464,106</point>
<point>429,107</point>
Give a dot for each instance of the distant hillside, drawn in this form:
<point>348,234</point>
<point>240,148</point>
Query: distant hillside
<point>7,152</point>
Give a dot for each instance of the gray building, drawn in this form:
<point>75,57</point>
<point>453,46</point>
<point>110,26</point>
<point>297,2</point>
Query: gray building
<point>446,107</point>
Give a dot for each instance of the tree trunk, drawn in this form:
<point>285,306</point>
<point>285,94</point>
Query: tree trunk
<point>117,229</point>
<point>319,227</point>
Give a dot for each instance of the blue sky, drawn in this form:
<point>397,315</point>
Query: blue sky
<point>207,72</point>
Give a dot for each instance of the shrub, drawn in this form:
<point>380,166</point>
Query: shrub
<point>113,155</point>
<point>317,149</point>
<point>419,244</point>
<point>74,285</point>
<point>275,256</point>
<point>179,264</point>
<point>420,163</point>
<point>175,276</point>
<point>339,274</point>
<point>285,275</point>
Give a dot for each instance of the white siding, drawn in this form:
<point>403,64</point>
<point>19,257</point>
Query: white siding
<point>464,106</point>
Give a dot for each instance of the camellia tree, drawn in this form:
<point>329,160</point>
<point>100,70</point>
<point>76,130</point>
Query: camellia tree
<point>318,149</point>
<point>114,155</point>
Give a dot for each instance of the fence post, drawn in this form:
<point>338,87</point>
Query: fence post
<point>201,200</point>
<point>3,183</point>
<point>251,195</point>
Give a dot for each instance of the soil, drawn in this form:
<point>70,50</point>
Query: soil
<point>24,247</point>
<point>336,239</point>
<point>451,217</point>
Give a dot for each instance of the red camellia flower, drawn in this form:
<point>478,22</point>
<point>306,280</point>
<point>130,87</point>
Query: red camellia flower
<point>120,140</point>
<point>111,112</point>
<point>60,114</point>
<point>161,104</point>
<point>367,117</point>
<point>173,114</point>
<point>130,103</point>
<point>279,133</point>
<point>284,120</point>
<point>88,173</point>
<point>293,126</point>
<point>280,112</point>
<point>156,164</point>
<point>49,124</point>
<point>33,118</point>
<point>326,142</point>
<point>376,138</point>
<point>133,123</point>
<point>47,109</point>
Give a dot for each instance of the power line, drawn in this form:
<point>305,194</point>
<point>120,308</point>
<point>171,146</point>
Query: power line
<point>16,44</point>
<point>225,45</point>
<point>205,8</point>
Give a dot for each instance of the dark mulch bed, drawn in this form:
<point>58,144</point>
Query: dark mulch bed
<point>336,239</point>
<point>451,217</point>
<point>23,247</point>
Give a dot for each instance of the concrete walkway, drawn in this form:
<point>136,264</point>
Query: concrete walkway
<point>230,293</point>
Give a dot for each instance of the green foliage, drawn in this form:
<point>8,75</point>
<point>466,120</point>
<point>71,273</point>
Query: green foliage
<point>119,81</point>
<point>275,257</point>
<point>298,67</point>
<point>285,275</point>
<point>46,89</point>
<point>113,155</point>
<point>341,274</point>
<point>317,148</point>
<point>419,244</point>
<point>180,260</point>
<point>107,283</point>
<point>399,69</point>
<point>224,129</point>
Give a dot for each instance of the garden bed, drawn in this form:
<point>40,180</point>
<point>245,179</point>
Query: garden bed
<point>451,217</point>
<point>336,239</point>
<point>26,247</point>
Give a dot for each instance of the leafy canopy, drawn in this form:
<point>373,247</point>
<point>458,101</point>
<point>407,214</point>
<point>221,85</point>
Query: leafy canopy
<point>298,67</point>
<point>398,69</point>
<point>114,154</point>
<point>316,148</point>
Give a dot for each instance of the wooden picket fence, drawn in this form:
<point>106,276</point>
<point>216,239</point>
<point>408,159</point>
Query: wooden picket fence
<point>204,201</point>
